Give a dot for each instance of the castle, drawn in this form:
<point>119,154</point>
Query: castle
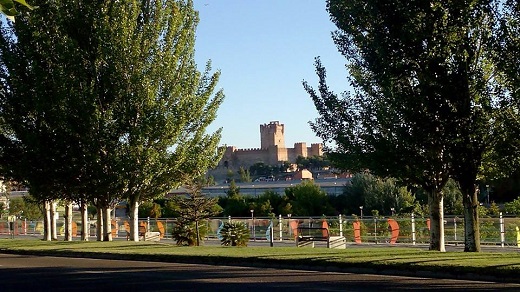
<point>271,152</point>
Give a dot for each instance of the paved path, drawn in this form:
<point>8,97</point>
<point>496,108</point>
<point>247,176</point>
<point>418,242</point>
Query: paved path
<point>35,273</point>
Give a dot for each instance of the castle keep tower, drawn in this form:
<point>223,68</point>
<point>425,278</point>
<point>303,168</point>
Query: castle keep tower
<point>272,134</point>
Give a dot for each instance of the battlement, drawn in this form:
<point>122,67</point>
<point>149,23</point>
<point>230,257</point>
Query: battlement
<point>249,149</point>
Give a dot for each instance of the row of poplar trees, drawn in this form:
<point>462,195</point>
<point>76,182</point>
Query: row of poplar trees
<point>102,101</point>
<point>435,95</point>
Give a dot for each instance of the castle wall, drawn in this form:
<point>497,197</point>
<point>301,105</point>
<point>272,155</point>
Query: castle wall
<point>248,157</point>
<point>316,149</point>
<point>300,149</point>
<point>280,154</point>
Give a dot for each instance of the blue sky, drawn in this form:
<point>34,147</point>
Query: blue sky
<point>264,49</point>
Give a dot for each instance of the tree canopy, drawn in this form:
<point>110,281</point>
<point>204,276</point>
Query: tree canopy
<point>104,101</point>
<point>419,110</point>
<point>8,7</point>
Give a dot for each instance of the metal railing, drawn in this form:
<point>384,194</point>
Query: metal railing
<point>412,230</point>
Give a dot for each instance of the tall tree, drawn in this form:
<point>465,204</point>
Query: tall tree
<point>504,158</point>
<point>36,82</point>
<point>409,115</point>
<point>165,103</point>
<point>104,101</point>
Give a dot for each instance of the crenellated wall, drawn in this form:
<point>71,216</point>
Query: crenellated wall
<point>272,152</point>
<point>316,149</point>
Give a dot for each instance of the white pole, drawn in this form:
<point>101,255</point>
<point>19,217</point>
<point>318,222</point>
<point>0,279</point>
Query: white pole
<point>340,225</point>
<point>413,229</point>
<point>502,235</point>
<point>280,223</point>
<point>455,229</point>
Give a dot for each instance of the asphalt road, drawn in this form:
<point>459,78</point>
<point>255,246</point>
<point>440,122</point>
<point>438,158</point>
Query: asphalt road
<point>35,273</point>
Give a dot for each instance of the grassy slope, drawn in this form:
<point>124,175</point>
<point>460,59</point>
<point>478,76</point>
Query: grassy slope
<point>391,260</point>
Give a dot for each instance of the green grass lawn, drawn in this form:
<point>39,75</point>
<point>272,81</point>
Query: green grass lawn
<point>410,260</point>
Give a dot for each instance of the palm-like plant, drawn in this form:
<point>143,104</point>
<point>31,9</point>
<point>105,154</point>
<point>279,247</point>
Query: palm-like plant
<point>234,233</point>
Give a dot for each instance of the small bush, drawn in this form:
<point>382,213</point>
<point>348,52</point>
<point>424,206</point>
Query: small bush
<point>186,234</point>
<point>234,233</point>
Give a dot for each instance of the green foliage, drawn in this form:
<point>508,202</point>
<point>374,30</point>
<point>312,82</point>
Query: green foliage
<point>233,190</point>
<point>234,233</point>
<point>513,207</point>
<point>482,211</point>
<point>8,7</point>
<point>503,159</point>
<point>185,233</point>
<point>374,193</point>
<point>244,175</point>
<point>307,199</point>
<point>269,204</point>
<point>452,198</point>
<point>314,162</point>
<point>130,122</point>
<point>494,209</point>
<point>25,208</point>
<point>420,114</point>
<point>146,209</point>
<point>235,206</point>
<point>230,175</point>
<point>169,208</point>
<point>262,169</point>
<point>195,208</point>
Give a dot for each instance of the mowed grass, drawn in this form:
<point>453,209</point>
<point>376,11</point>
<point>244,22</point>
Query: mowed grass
<point>411,260</point>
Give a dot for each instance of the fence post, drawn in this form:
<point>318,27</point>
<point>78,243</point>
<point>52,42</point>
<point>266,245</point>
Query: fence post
<point>375,229</point>
<point>229,218</point>
<point>271,234</point>
<point>413,229</point>
<point>340,225</point>
<point>280,223</point>
<point>455,230</point>
<point>502,231</point>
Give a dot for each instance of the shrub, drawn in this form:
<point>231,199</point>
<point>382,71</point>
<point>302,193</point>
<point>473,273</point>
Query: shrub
<point>234,233</point>
<point>185,233</point>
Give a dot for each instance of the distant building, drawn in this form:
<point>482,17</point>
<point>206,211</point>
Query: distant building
<point>271,152</point>
<point>303,174</point>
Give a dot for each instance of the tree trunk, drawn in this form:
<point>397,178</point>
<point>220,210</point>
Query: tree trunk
<point>107,231</point>
<point>99,223</point>
<point>47,221</point>
<point>54,214</point>
<point>134,220</point>
<point>68,221</point>
<point>197,231</point>
<point>435,203</point>
<point>85,225</point>
<point>471,220</point>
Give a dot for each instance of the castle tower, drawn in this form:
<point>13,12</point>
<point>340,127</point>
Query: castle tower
<point>316,149</point>
<point>272,134</point>
<point>300,149</point>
